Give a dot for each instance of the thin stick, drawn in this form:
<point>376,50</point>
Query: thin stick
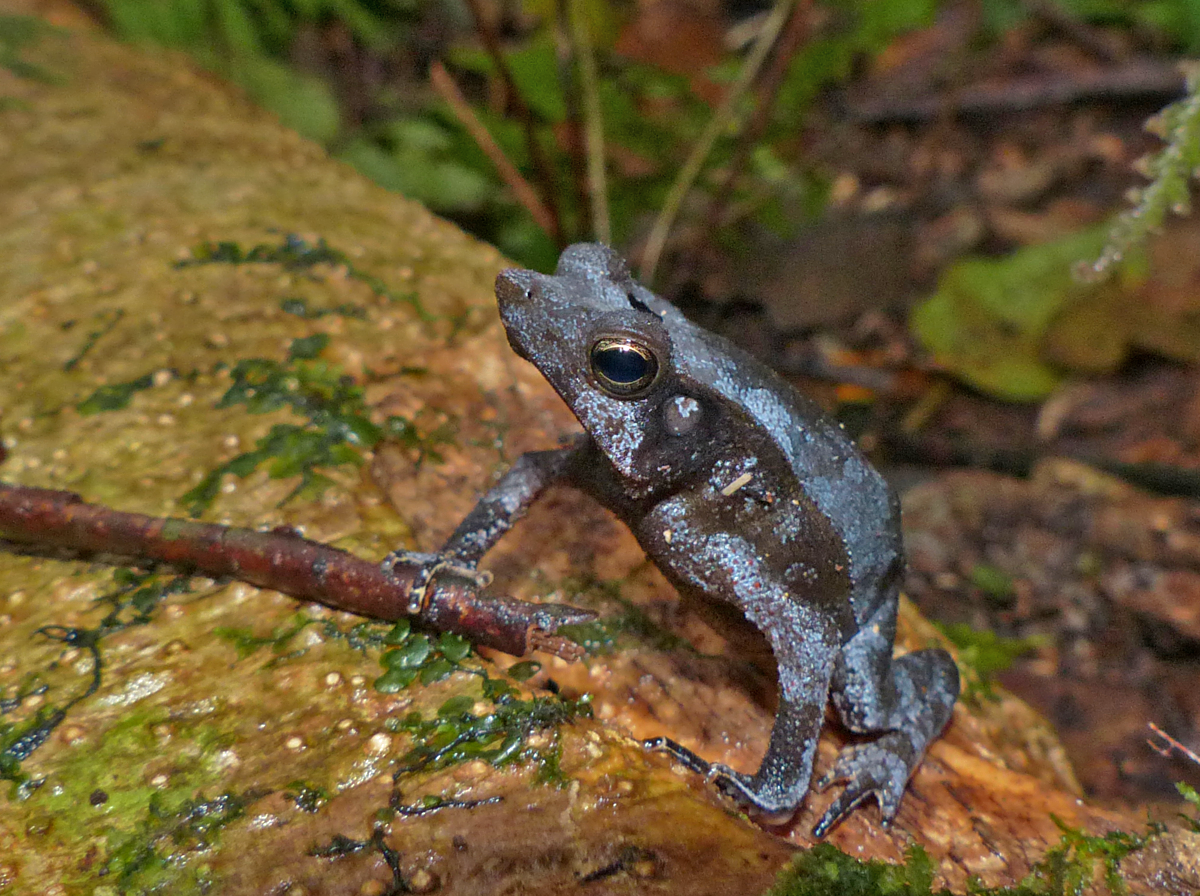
<point>593,122</point>
<point>524,192</point>
<point>48,522</point>
<point>537,155</point>
<point>766,92</point>
<point>1172,744</point>
<point>725,116</point>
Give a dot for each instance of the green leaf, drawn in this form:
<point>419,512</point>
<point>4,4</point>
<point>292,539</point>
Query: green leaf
<point>453,647</point>
<point>412,654</point>
<point>992,580</point>
<point>394,680</point>
<point>435,670</point>
<point>524,671</point>
<point>988,319</point>
<point>398,633</point>
<point>237,32</point>
<point>456,706</point>
<point>422,162</point>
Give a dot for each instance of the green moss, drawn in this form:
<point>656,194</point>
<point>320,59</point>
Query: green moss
<point>115,396</point>
<point>601,636</point>
<point>19,33</point>
<point>307,798</point>
<point>294,254</point>
<point>299,307</point>
<point>114,318</point>
<point>499,737</point>
<point>982,654</point>
<point>246,642</point>
<point>131,603</point>
<point>458,733</point>
<point>169,835</point>
<point>1066,870</point>
<point>336,432</point>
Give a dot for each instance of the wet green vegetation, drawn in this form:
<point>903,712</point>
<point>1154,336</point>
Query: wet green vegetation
<point>1078,861</point>
<point>294,253</point>
<point>131,603</point>
<point>336,432</point>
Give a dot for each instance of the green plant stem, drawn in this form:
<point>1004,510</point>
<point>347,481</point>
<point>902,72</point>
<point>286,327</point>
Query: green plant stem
<point>725,117</point>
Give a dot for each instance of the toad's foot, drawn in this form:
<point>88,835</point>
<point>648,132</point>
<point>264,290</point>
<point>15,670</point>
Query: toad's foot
<point>429,565</point>
<point>738,787</point>
<point>880,768</point>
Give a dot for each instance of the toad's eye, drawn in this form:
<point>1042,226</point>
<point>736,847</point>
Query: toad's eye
<point>624,368</point>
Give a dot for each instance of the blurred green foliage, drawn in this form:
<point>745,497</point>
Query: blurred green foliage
<point>1012,328</point>
<point>410,142</point>
<point>992,321</point>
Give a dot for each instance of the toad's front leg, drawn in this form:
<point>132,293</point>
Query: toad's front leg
<point>491,517</point>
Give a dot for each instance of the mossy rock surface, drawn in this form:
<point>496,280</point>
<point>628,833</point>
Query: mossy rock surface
<point>163,242</point>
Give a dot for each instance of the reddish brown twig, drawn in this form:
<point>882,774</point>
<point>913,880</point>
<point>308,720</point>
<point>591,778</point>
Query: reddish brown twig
<point>44,521</point>
<point>537,155</point>
<point>1171,744</point>
<point>523,191</point>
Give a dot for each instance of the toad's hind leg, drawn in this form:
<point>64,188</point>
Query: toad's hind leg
<point>906,700</point>
<point>804,642</point>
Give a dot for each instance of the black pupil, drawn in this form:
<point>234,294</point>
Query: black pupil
<point>622,364</point>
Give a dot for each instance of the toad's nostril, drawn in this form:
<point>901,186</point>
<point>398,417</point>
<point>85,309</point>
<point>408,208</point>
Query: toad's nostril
<point>514,286</point>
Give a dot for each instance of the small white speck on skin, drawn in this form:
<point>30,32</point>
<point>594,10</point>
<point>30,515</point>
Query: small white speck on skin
<point>59,454</point>
<point>333,679</point>
<point>16,598</point>
<point>166,419</point>
<point>159,780</point>
<point>294,743</point>
<point>186,399</point>
<point>667,535</point>
<point>162,377</point>
<point>230,442</point>
<point>379,744</point>
<point>357,681</point>
<point>737,484</point>
<point>344,724</point>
